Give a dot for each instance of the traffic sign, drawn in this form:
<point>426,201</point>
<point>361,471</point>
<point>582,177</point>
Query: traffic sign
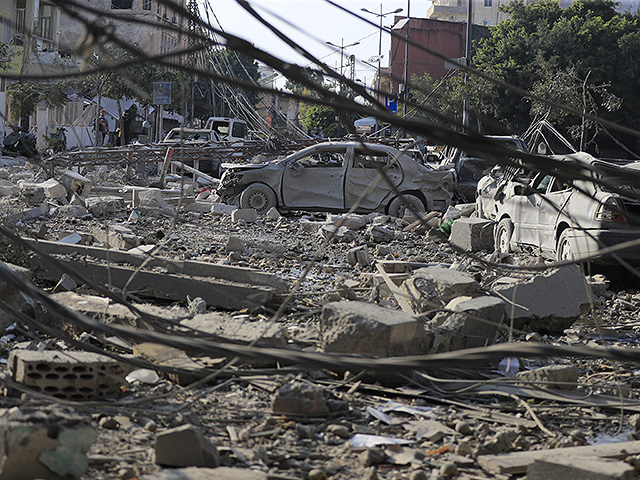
<point>161,93</point>
<point>391,102</point>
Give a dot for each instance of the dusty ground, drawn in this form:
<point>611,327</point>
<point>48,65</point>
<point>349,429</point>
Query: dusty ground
<point>234,410</point>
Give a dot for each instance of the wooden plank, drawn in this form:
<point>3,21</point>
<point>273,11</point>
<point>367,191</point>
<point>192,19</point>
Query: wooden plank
<point>183,267</point>
<point>400,297</point>
<point>517,462</point>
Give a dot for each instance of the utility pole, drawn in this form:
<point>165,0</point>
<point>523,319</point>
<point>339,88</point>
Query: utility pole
<point>341,47</point>
<point>405,75</point>
<point>466,121</point>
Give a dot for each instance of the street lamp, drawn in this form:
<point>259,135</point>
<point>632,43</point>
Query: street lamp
<point>342,46</point>
<point>381,16</point>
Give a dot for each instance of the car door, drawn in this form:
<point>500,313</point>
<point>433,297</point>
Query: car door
<point>550,209</point>
<point>362,170</point>
<point>316,180</point>
<point>525,210</point>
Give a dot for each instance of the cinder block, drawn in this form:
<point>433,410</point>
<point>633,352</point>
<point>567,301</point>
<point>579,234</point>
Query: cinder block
<point>32,194</point>
<point>68,375</point>
<point>117,236</point>
<point>472,234</point>
<point>76,183</point>
<point>185,446</point>
<point>54,189</point>
<point>248,215</point>
<point>433,287</point>
<point>359,256</point>
<point>222,209</point>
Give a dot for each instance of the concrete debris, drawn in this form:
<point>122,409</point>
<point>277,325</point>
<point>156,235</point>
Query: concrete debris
<point>185,446</point>
<point>106,207</point>
<point>246,215</point>
<point>467,323</point>
<point>235,244</point>
<point>12,296</point>
<point>53,189</point>
<point>32,194</point>
<point>273,214</point>
<point>299,398</point>
<point>117,236</point>
<point>151,202</point>
<point>68,375</point>
<point>579,468</point>
<point>364,328</point>
<point>472,234</point>
<point>49,446</point>
<point>433,287</point>
<point>564,377</point>
<point>65,284</point>
<point>351,221</point>
<point>359,256</point>
<point>222,209</point>
<point>380,234</point>
<point>71,211</point>
<point>565,294</point>
<point>337,234</point>
<point>76,184</point>
<point>220,473</point>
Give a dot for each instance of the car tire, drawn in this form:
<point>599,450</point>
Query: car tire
<point>258,196</point>
<point>399,205</point>
<point>563,247</point>
<point>502,236</point>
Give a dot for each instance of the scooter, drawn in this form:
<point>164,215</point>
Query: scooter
<point>20,143</point>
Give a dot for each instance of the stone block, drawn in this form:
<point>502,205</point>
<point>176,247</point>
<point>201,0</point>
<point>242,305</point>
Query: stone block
<point>71,211</point>
<point>379,234</point>
<point>185,446</point>
<point>311,227</point>
<point>472,234</point>
<point>248,215</point>
<point>579,468</point>
<point>235,244</point>
<point>299,398</point>
<point>29,450</point>
<point>338,235</point>
<point>474,322</point>
<point>433,287</point>
<point>359,256</point>
<point>107,206</point>
<point>564,377</point>
<point>352,221</point>
<point>53,189</point>
<point>222,209</point>
<point>76,183</point>
<point>68,375</point>
<point>151,202</point>
<point>547,302</point>
<point>365,328</point>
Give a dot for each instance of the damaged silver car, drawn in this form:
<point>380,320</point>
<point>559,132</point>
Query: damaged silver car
<point>333,176</point>
<point>566,219</point>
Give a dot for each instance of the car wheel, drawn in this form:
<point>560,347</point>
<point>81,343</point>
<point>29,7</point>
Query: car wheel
<point>563,248</point>
<point>502,236</point>
<point>400,205</point>
<point>258,196</point>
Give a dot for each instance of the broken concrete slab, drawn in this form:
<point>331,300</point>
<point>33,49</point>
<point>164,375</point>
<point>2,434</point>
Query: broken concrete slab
<point>185,370</point>
<point>116,236</point>
<point>31,194</point>
<point>222,209</point>
<point>235,244</point>
<point>29,450</point>
<point>185,446</point>
<point>518,462</point>
<point>472,234</point>
<point>299,398</point>
<point>433,287</point>
<point>380,234</point>
<point>337,234</point>
<point>150,201</point>
<point>68,375</point>
<point>565,294</point>
<point>474,322</point>
<point>351,221</point>
<point>365,328</point>
<point>220,473</point>
<point>564,377</point>
<point>273,214</point>
<point>107,206</point>
<point>579,468</point>
<point>53,189</point>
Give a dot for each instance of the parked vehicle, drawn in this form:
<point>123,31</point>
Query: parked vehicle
<point>332,176</point>
<point>471,169</point>
<point>20,142</point>
<point>565,219</point>
<point>228,129</point>
<point>191,136</point>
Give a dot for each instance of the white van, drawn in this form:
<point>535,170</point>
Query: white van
<point>229,129</point>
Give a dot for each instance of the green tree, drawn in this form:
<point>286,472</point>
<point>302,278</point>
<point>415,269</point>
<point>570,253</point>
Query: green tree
<point>542,46</point>
<point>26,95</point>
<point>319,118</point>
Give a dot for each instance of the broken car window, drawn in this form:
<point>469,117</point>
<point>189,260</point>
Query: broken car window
<point>323,159</point>
<point>370,159</point>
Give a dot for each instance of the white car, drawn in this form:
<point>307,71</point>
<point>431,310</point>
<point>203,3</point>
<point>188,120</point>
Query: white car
<point>564,218</point>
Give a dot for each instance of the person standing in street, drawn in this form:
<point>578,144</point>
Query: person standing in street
<point>103,128</point>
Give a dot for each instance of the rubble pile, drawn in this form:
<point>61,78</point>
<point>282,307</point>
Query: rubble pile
<point>182,338</point>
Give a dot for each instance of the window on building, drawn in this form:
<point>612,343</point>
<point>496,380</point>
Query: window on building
<point>21,10</point>
<point>146,4</point>
<point>46,22</point>
<point>488,3</point>
<point>121,4</point>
